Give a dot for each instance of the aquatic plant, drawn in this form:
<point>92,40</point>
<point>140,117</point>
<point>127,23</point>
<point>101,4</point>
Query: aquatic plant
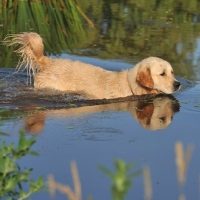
<point>182,159</point>
<point>121,178</point>
<point>59,21</point>
<point>65,189</point>
<point>12,177</point>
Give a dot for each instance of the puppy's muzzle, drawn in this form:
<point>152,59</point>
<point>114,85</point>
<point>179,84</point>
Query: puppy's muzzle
<point>176,85</point>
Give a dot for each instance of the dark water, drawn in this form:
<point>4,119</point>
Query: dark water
<point>126,32</point>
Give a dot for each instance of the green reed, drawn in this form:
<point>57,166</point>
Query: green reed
<point>59,22</point>
<point>121,178</point>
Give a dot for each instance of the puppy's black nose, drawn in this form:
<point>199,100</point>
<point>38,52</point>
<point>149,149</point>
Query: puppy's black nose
<point>176,85</point>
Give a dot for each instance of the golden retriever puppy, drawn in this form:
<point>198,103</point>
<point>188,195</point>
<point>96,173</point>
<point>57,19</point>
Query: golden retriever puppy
<point>150,76</point>
<point>154,115</point>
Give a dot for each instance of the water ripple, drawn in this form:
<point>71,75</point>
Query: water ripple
<point>101,134</point>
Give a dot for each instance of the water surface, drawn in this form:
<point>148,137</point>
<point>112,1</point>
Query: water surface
<point>126,32</point>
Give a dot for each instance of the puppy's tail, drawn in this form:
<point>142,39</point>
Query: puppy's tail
<point>31,51</point>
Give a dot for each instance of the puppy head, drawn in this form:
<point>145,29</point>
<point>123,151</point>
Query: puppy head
<point>156,73</point>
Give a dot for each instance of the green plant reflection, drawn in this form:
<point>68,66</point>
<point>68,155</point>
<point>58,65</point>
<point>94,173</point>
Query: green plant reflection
<point>136,29</point>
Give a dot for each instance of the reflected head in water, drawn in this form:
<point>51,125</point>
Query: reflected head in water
<point>153,114</point>
<point>157,113</point>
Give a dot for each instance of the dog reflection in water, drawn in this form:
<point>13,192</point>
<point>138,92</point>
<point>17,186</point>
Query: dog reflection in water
<point>153,114</point>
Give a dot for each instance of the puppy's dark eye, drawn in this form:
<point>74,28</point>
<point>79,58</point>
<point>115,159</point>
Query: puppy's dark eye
<point>162,119</point>
<point>163,74</point>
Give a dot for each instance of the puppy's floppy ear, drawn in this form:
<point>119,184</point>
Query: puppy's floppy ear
<point>144,114</point>
<point>144,78</point>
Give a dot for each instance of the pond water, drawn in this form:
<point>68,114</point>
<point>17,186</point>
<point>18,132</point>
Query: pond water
<point>126,32</point>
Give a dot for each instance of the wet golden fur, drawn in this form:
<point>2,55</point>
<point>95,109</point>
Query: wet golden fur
<point>150,76</point>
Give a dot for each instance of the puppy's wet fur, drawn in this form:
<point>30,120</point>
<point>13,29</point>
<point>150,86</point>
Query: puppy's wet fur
<point>150,76</point>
